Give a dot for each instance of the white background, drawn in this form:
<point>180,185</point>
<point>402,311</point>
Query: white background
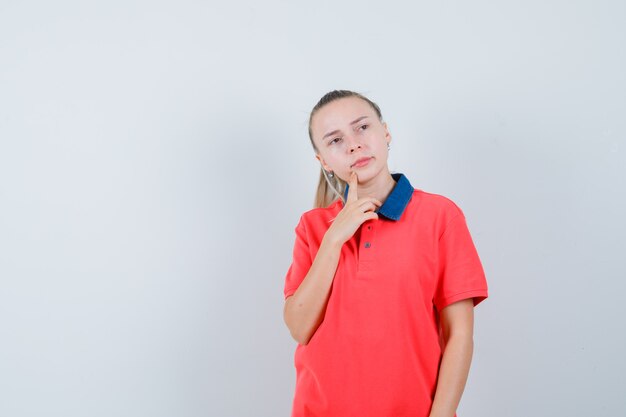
<point>154,161</point>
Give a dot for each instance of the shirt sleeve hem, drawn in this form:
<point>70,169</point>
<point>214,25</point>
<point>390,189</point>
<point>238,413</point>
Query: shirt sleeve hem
<point>477,295</point>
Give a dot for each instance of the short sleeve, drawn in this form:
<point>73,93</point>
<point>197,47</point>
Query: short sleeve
<point>301,262</point>
<point>460,272</point>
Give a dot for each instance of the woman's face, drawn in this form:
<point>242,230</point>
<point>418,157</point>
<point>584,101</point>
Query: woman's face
<point>347,130</point>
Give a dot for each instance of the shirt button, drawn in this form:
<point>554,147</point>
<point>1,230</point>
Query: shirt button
<point>367,244</point>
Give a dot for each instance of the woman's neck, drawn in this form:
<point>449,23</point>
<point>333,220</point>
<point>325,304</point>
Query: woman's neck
<point>378,187</point>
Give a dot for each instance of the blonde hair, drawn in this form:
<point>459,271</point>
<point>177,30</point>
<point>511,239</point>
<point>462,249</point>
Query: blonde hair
<point>329,188</point>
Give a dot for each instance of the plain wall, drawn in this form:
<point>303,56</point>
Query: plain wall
<point>154,161</point>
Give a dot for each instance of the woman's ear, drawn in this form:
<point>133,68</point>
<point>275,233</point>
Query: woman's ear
<point>324,165</point>
<point>387,134</point>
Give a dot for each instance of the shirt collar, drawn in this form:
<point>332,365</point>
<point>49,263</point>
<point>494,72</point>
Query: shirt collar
<point>397,200</point>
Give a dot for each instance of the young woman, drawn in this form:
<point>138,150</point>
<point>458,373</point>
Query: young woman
<point>384,278</point>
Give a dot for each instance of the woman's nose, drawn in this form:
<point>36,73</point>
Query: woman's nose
<point>353,144</point>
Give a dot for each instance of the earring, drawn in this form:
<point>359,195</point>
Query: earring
<point>388,147</point>
<point>331,174</point>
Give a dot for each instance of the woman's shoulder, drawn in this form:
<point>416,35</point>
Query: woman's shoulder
<point>436,202</point>
<point>321,215</point>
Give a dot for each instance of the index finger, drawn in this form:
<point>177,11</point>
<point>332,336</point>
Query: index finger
<point>352,187</point>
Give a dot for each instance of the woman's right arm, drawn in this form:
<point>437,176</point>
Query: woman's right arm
<point>304,309</point>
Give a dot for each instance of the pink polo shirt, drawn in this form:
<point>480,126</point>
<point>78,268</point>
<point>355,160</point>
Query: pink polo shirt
<point>378,350</point>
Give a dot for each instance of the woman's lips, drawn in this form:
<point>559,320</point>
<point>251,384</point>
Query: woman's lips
<point>362,163</point>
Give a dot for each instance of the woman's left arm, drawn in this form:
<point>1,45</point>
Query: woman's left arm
<point>457,324</point>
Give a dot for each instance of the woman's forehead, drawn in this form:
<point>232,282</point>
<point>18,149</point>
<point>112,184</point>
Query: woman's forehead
<point>341,112</point>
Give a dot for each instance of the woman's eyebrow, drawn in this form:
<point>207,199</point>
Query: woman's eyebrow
<point>337,131</point>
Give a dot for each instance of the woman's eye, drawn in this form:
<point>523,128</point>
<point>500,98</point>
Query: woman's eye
<point>364,127</point>
<point>336,139</point>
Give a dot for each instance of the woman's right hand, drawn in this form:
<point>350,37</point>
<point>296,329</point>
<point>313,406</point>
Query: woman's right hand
<point>353,214</point>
